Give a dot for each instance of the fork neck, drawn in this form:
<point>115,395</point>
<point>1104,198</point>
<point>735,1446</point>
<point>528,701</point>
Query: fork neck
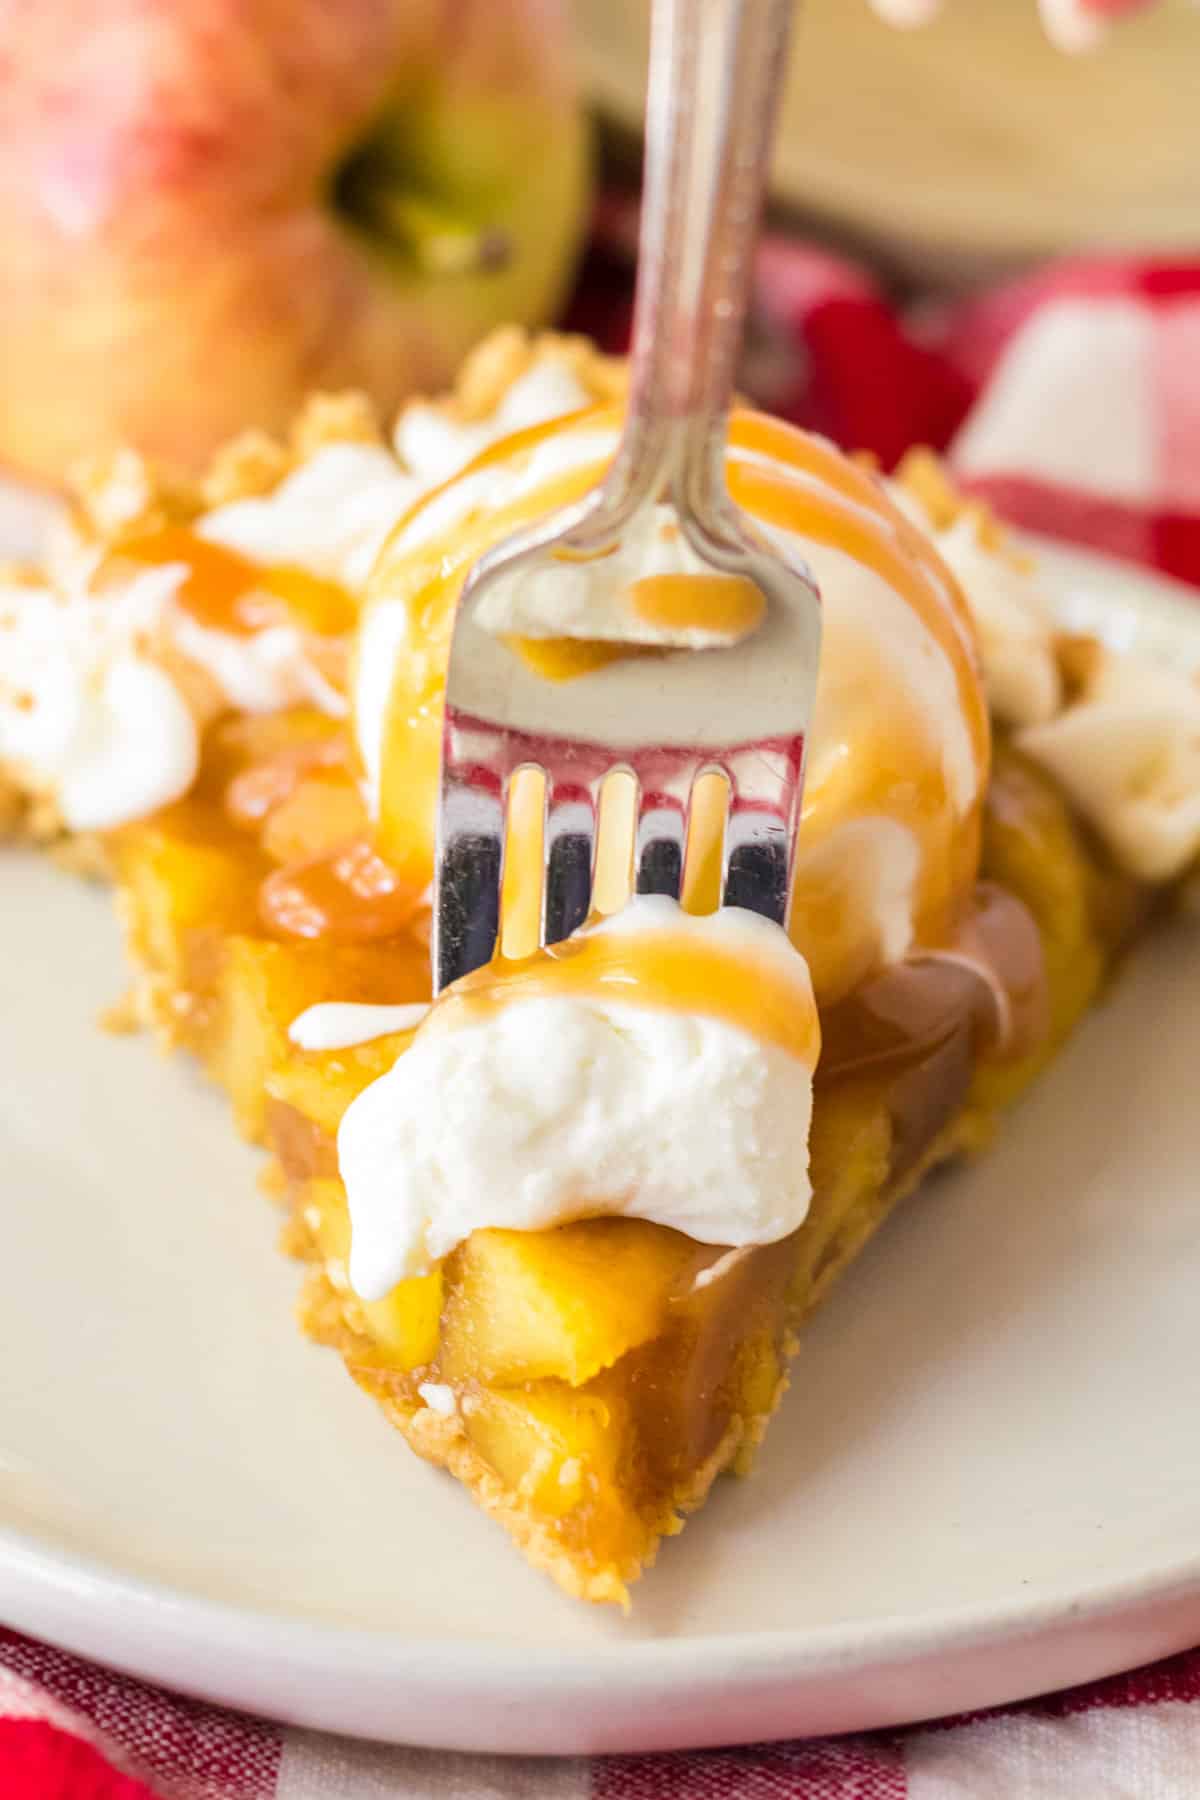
<point>716,70</point>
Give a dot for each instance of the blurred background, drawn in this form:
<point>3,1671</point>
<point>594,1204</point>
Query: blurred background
<point>965,148</point>
<point>209,211</point>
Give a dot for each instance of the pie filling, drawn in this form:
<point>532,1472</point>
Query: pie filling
<point>564,1222</point>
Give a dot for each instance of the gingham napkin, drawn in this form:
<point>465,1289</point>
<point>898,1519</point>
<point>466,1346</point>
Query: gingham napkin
<point>71,1731</point>
<point>1071,399</point>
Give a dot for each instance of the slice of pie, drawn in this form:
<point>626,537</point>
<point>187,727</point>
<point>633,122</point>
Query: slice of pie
<point>564,1224</point>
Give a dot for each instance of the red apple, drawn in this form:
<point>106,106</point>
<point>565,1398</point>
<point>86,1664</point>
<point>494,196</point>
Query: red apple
<point>210,207</point>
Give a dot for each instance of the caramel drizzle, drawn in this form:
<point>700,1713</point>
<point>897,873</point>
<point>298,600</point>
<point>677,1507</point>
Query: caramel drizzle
<point>990,979</point>
<point>225,591</point>
<point>657,969</point>
<point>821,518</point>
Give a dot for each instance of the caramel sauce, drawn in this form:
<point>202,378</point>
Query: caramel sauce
<point>349,895</point>
<point>919,1027</point>
<point>680,972</point>
<point>905,1012</point>
<point>997,940</point>
<point>813,457</point>
<point>226,591</point>
<point>718,1357</point>
<point>899,1018</point>
<point>291,595</point>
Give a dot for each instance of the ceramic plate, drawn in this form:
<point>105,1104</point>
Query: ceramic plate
<point>985,1481</point>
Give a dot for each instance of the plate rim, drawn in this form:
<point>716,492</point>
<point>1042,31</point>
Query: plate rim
<point>394,1688</point>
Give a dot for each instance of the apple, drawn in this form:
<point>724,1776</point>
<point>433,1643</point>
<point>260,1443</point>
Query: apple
<point>210,207</point>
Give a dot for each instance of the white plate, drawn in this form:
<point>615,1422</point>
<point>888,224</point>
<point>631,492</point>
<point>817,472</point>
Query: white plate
<point>985,1482</point>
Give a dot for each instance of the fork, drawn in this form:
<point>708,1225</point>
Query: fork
<point>742,710</point>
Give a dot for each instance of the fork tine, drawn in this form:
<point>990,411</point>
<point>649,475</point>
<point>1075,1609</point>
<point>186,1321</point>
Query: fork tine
<point>659,845</point>
<point>760,833</point>
<point>756,863</point>
<point>570,857</point>
<point>470,868</point>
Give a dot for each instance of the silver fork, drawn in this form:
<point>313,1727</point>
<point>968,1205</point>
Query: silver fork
<point>743,710</point>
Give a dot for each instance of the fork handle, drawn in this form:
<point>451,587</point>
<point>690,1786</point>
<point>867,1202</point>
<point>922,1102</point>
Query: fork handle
<point>716,69</point>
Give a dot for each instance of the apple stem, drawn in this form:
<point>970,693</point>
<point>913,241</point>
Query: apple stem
<point>438,241</point>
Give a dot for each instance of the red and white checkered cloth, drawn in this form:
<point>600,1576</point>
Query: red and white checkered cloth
<point>71,1731</point>
<point>1072,400</point>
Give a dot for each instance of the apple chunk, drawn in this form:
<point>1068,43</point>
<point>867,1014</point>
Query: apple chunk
<point>185,882</point>
<point>565,1303</point>
<point>559,1449</point>
<point>264,985</point>
<point>403,1326</point>
<point>320,1084</point>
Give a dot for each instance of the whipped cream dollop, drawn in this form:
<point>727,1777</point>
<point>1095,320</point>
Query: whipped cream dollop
<point>435,445</point>
<point>104,694</point>
<point>1127,752</point>
<point>329,516</point>
<point>88,716</point>
<point>332,514</point>
<point>341,1024</point>
<point>562,1105</point>
<point>1013,619</point>
<point>257,672</point>
<point>1014,624</point>
<point>498,484</point>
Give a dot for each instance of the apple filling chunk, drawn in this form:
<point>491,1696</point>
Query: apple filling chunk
<point>564,1303</point>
